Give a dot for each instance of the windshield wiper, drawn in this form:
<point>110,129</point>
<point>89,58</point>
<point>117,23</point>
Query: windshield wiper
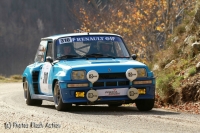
<point>109,56</point>
<point>93,55</point>
<point>66,56</point>
<point>98,55</point>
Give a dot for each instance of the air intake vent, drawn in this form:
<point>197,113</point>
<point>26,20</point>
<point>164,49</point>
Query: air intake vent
<point>35,76</point>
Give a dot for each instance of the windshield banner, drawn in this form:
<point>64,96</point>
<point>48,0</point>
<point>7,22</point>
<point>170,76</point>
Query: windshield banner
<point>85,38</point>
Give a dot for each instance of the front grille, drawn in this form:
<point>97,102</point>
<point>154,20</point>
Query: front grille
<point>114,83</point>
<point>114,80</point>
<point>112,76</point>
<point>122,83</point>
<point>98,84</point>
<point>111,83</point>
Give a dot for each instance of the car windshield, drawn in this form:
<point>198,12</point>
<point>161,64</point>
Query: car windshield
<point>91,46</point>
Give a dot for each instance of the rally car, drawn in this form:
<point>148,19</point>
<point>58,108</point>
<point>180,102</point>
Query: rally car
<point>87,68</point>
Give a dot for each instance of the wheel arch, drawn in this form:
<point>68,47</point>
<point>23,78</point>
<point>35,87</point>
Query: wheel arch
<point>53,84</point>
<point>23,79</point>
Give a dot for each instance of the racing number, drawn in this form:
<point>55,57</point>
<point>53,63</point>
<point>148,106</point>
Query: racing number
<point>45,77</point>
<point>44,80</point>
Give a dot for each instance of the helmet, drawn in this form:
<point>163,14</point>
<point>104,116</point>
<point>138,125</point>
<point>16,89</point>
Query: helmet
<point>62,46</point>
<point>101,43</point>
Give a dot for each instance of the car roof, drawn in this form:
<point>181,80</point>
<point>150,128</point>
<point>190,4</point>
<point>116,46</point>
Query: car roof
<point>77,34</point>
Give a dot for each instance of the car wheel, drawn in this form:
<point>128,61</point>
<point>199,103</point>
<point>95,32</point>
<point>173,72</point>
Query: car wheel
<point>145,104</point>
<point>27,95</point>
<point>114,105</point>
<point>59,105</point>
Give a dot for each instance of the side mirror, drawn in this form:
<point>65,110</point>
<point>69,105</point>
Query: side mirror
<point>49,59</point>
<point>134,56</point>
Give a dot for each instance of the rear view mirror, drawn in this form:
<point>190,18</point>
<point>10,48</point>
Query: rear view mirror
<point>49,59</point>
<point>134,56</point>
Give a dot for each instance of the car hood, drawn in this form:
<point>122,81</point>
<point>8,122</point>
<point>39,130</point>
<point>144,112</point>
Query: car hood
<point>113,65</point>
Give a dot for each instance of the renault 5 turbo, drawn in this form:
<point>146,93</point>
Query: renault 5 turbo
<point>87,68</point>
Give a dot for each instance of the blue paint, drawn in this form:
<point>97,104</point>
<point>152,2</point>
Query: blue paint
<point>62,69</point>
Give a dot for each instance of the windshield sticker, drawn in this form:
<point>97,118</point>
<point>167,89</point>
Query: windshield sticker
<point>65,40</point>
<point>83,39</point>
<point>87,38</point>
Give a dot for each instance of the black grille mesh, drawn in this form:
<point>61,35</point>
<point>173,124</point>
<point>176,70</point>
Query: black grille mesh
<point>107,76</point>
<point>112,76</point>
<point>35,76</point>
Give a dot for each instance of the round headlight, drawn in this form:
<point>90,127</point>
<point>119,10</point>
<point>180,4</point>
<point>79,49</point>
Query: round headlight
<point>141,72</point>
<point>78,75</point>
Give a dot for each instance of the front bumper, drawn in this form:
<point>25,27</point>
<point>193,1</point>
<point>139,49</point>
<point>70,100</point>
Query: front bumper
<point>68,94</point>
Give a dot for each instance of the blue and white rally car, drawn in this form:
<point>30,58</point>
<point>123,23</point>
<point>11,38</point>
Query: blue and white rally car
<point>87,68</point>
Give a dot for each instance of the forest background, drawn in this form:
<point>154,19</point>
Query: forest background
<point>146,25</point>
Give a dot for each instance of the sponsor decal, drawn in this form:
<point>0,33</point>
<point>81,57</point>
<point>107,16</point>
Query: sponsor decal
<point>130,74</point>
<point>91,76</point>
<point>90,95</point>
<point>113,92</point>
<point>85,39</point>
<point>132,93</point>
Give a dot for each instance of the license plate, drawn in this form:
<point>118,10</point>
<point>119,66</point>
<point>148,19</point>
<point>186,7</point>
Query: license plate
<point>113,92</point>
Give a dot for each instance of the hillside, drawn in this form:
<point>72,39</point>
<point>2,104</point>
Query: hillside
<point>23,23</point>
<point>177,67</point>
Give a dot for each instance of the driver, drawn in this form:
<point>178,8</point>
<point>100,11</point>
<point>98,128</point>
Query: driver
<point>65,49</point>
<point>106,49</point>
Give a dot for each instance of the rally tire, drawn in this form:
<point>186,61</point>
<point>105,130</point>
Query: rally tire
<point>59,105</point>
<point>27,95</point>
<point>145,104</point>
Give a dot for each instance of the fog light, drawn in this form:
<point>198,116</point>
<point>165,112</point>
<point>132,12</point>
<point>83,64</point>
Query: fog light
<point>80,94</point>
<point>141,91</point>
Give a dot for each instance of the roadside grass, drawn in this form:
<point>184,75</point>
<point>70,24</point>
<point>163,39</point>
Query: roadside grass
<point>192,71</point>
<point>12,78</point>
<point>164,84</point>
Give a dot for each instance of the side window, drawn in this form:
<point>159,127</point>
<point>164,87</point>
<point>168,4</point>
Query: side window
<point>41,52</point>
<point>49,49</point>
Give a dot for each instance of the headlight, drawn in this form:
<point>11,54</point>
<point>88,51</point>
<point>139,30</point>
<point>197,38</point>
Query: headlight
<point>78,75</point>
<point>141,72</point>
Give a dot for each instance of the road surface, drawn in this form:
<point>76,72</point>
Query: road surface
<point>16,116</point>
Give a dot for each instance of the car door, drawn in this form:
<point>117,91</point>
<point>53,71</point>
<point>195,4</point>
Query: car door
<point>44,78</point>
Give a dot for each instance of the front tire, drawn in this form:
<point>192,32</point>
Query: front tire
<point>27,95</point>
<point>59,105</point>
<point>145,104</point>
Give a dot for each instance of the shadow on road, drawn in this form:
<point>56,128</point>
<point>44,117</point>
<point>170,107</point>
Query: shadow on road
<point>105,110</point>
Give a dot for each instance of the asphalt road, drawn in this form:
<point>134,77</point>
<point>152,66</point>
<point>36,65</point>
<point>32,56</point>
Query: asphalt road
<point>16,116</point>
